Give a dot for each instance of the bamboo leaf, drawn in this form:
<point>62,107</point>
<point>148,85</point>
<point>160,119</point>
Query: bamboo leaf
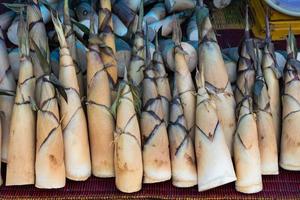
<point>116,103</point>
<point>42,58</point>
<point>136,94</point>
<point>59,29</point>
<point>16,7</point>
<point>58,86</point>
<point>6,93</point>
<point>33,104</point>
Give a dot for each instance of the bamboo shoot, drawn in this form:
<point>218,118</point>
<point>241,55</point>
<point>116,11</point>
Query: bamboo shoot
<point>216,77</point>
<point>100,121</point>
<point>290,138</point>
<point>128,152</point>
<point>74,127</point>
<point>156,157</point>
<point>184,173</point>
<point>21,148</point>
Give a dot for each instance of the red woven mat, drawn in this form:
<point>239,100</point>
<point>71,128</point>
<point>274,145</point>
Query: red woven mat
<point>284,186</point>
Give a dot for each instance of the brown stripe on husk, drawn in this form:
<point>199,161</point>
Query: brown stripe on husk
<point>215,73</point>
<point>49,163</point>
<point>7,83</point>
<point>100,120</point>
<point>290,139</point>
<point>183,160</point>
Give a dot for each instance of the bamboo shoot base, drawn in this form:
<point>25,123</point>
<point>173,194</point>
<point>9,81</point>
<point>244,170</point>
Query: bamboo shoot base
<point>249,189</point>
<point>289,166</point>
<point>215,183</point>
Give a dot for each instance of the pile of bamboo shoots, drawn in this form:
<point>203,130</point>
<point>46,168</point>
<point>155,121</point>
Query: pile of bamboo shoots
<point>95,96</point>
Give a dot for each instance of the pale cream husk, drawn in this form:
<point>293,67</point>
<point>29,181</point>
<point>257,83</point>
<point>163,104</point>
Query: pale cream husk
<point>156,157</point>
<point>246,152</point>
<point>49,163</point>
<point>216,78</point>
<point>128,154</point>
<point>183,160</point>
<point>21,148</point>
<point>100,120</point>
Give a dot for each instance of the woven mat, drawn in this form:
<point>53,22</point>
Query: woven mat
<point>231,17</point>
<point>284,186</point>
